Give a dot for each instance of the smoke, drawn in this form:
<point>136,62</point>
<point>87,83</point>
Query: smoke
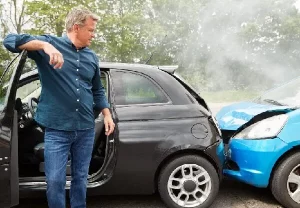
<point>242,44</point>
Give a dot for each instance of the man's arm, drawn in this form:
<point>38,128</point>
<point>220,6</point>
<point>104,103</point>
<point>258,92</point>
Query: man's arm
<point>13,41</point>
<point>101,104</point>
<point>99,93</point>
<point>16,43</point>
<point>34,45</point>
<point>106,112</point>
<point>98,89</point>
<point>108,121</point>
<point>56,57</point>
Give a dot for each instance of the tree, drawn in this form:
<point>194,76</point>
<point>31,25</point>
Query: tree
<point>13,17</point>
<point>218,44</point>
<point>124,34</point>
<point>4,54</point>
<point>127,32</point>
<point>48,16</point>
<point>272,41</point>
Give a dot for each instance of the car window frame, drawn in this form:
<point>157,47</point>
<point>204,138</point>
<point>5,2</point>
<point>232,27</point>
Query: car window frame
<point>147,77</point>
<point>16,60</point>
<point>106,75</point>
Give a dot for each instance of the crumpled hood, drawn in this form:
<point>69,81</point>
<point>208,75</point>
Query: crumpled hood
<point>233,116</point>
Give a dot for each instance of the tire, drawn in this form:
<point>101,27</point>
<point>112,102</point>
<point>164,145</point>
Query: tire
<point>279,184</point>
<point>190,164</point>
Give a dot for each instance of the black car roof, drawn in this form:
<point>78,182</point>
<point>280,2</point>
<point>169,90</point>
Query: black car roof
<point>128,66</point>
<point>135,67</point>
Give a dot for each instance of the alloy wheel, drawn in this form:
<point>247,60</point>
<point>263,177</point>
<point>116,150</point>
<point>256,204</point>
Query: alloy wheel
<point>293,184</point>
<point>189,185</point>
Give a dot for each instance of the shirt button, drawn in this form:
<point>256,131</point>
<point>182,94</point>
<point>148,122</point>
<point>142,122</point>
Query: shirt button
<point>77,89</point>
<point>76,109</point>
<point>77,79</point>
<point>77,100</point>
<point>77,60</point>
<point>77,69</point>
<point>77,50</point>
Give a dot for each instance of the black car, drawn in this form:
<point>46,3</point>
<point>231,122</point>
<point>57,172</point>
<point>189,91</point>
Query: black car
<point>165,140</point>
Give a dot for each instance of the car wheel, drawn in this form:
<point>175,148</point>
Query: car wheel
<point>188,181</point>
<point>285,184</point>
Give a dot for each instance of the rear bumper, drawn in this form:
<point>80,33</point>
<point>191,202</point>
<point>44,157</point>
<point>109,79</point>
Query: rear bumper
<point>252,161</point>
<point>216,152</point>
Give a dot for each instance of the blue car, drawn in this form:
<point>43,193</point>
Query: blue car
<point>263,142</point>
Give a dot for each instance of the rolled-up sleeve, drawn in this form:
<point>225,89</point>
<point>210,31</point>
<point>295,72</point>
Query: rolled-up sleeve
<point>100,99</point>
<point>13,41</point>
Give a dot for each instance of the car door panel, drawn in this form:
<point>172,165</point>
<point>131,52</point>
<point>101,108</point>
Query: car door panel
<point>4,172</point>
<point>14,165</point>
<point>9,189</point>
<point>158,112</point>
<point>146,135</point>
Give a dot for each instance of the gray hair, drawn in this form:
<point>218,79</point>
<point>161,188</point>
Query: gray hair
<point>78,16</point>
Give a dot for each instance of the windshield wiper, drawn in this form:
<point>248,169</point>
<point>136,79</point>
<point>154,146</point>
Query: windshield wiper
<point>273,102</point>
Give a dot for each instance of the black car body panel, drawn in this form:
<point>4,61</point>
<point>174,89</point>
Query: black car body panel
<point>152,134</point>
<point>138,161</point>
<point>9,178</point>
<point>147,135</point>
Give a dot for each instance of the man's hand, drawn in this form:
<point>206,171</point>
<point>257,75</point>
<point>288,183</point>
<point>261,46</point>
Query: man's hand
<point>109,125</point>
<point>56,58</point>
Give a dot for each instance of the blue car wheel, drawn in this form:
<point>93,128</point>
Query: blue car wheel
<point>285,184</point>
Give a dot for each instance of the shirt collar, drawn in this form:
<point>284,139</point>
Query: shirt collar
<point>66,38</point>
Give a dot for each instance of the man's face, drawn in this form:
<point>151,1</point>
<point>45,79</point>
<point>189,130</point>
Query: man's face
<point>86,33</point>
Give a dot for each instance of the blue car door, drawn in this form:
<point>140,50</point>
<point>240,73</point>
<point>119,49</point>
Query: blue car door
<point>9,179</point>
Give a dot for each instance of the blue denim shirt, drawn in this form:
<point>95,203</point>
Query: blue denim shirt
<point>69,95</point>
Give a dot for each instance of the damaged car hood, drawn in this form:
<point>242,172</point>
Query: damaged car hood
<point>233,116</point>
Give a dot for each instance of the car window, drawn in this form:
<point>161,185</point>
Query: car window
<point>32,89</point>
<point>287,94</point>
<point>132,88</point>
<point>6,79</point>
<point>104,83</point>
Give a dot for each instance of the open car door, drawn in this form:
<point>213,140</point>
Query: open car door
<point>9,174</point>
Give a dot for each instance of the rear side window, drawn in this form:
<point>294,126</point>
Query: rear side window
<point>132,88</point>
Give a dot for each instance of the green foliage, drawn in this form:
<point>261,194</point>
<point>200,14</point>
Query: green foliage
<point>125,31</point>
<point>4,57</point>
<point>51,14</point>
<point>219,45</point>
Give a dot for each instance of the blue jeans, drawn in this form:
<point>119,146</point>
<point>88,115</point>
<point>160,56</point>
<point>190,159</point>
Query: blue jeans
<point>58,145</point>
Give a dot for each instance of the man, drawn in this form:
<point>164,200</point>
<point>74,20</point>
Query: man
<point>71,93</point>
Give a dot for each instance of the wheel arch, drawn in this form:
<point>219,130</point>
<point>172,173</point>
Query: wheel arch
<point>179,153</point>
<point>283,157</point>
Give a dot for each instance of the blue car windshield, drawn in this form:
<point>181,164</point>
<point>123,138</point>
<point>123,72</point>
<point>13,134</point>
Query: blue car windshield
<point>286,95</point>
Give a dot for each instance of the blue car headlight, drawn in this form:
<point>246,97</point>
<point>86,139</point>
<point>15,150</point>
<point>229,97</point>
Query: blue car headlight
<point>267,128</point>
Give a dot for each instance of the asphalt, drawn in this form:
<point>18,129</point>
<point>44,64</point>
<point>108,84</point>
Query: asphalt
<point>232,194</point>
